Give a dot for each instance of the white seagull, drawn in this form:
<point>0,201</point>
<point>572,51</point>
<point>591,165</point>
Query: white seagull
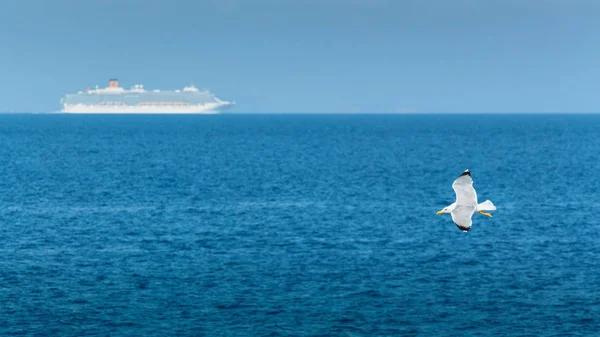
<point>466,203</point>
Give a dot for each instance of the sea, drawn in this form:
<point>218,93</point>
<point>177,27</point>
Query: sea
<point>298,225</point>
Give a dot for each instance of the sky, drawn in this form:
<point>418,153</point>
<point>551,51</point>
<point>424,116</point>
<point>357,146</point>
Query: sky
<point>310,56</point>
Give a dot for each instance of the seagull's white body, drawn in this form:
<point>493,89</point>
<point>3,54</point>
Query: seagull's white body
<point>466,203</point>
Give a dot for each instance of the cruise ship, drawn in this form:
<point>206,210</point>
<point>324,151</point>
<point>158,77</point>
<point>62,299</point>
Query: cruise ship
<point>115,99</point>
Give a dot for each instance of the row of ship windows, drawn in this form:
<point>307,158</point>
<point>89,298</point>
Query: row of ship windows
<point>163,103</point>
<point>143,103</point>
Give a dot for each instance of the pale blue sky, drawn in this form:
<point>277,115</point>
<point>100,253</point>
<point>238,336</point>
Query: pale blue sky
<point>310,55</point>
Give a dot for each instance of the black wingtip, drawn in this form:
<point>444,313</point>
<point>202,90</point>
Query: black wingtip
<point>466,173</point>
<point>464,229</point>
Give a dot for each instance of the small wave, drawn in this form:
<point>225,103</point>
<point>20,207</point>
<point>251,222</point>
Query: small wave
<point>279,204</point>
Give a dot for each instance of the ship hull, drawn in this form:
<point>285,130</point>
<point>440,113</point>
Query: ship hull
<point>136,109</point>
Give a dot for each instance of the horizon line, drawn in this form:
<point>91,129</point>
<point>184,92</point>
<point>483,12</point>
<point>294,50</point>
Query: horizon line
<point>315,113</point>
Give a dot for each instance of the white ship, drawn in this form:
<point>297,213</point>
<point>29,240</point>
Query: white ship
<point>137,100</point>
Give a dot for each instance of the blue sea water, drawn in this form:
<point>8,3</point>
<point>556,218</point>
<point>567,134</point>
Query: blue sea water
<point>297,225</point>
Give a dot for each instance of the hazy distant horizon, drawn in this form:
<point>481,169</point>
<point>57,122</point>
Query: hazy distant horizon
<point>312,56</point>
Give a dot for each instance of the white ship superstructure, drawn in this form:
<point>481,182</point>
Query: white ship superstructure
<point>115,99</point>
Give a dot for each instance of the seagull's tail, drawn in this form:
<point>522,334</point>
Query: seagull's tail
<point>486,206</point>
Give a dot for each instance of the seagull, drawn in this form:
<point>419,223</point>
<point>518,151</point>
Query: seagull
<point>466,203</point>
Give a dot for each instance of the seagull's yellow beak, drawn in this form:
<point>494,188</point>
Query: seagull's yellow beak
<point>439,212</point>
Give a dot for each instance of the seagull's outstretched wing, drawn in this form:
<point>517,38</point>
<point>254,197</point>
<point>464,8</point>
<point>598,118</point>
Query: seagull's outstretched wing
<point>461,216</point>
<point>465,193</point>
